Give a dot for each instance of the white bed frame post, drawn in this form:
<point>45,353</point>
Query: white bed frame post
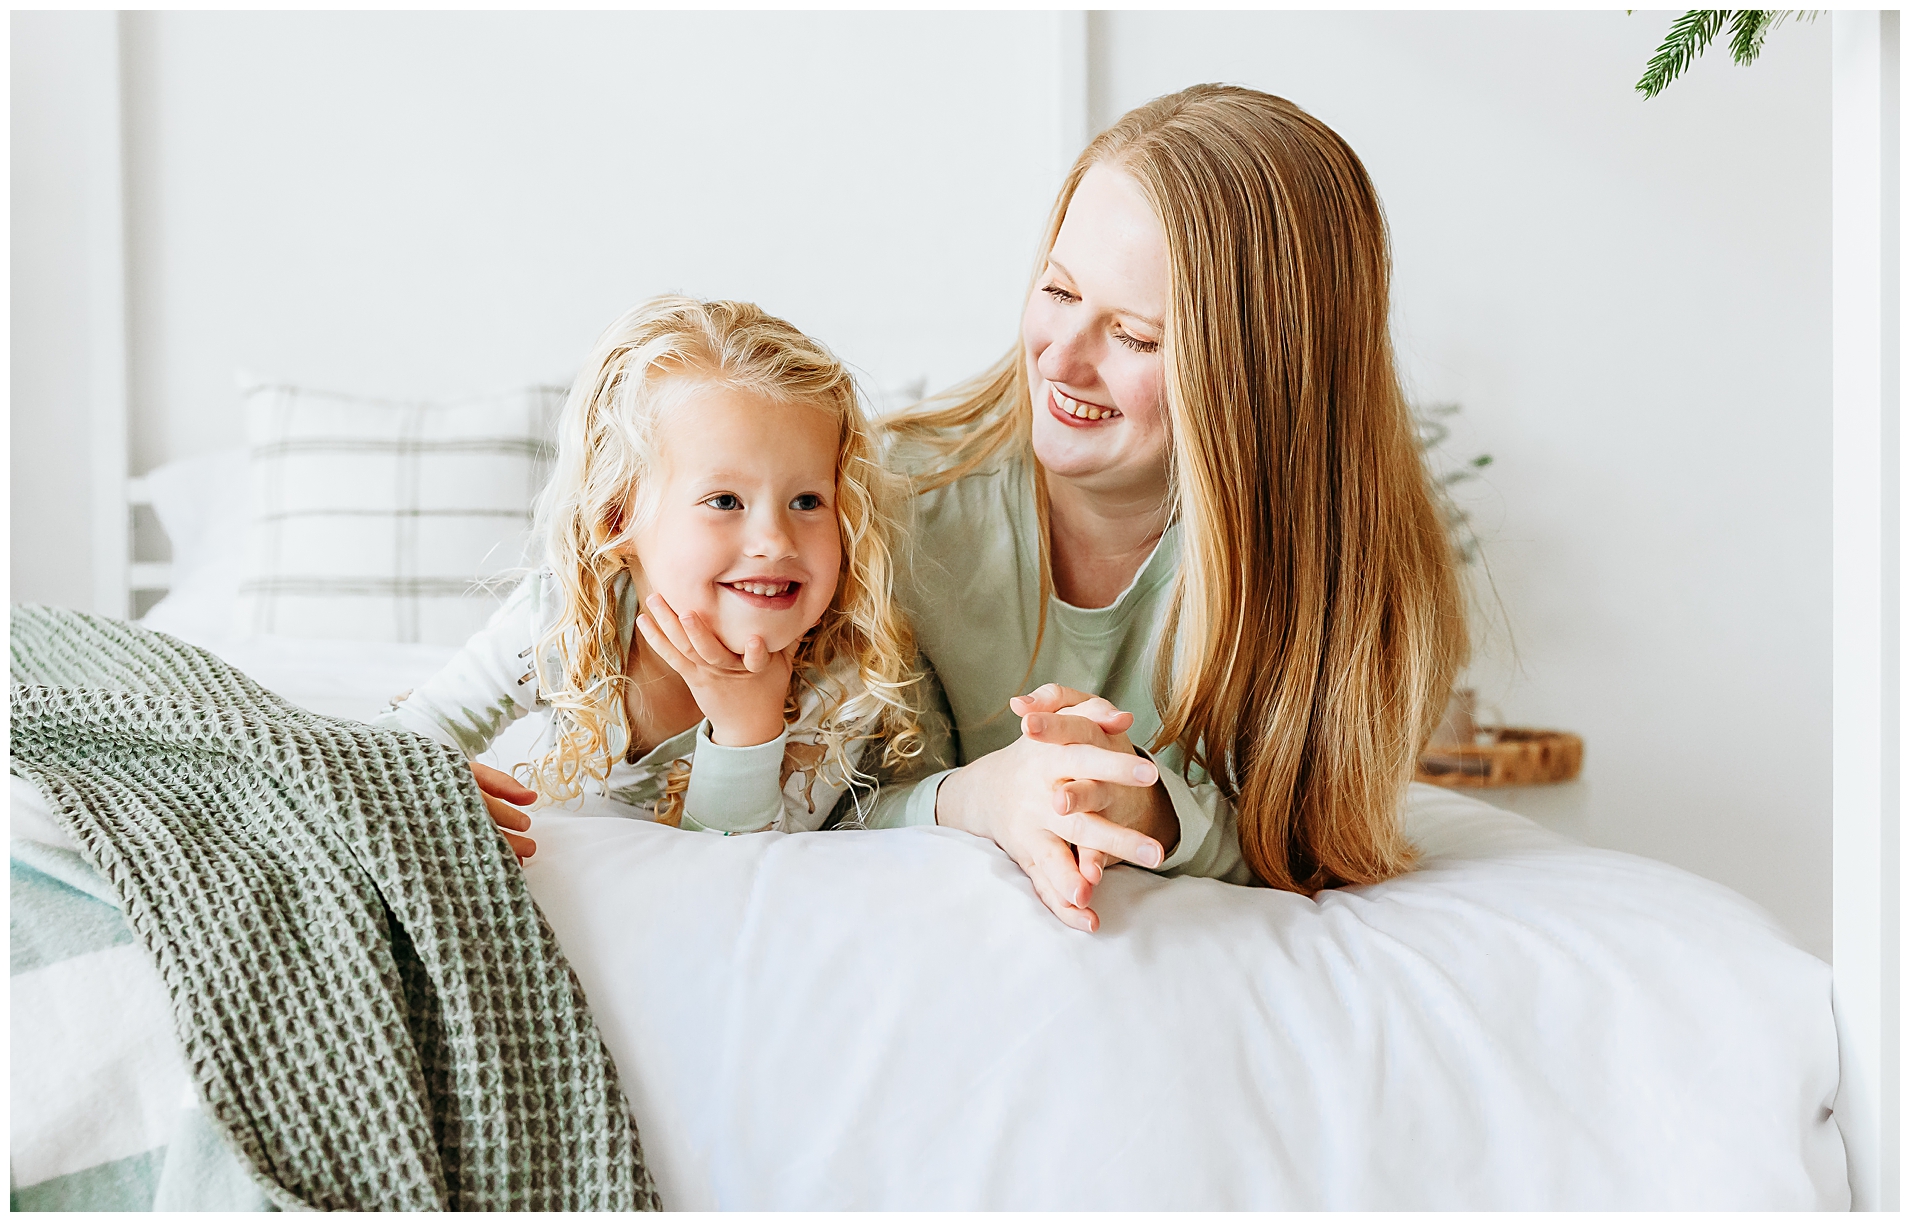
<point>1866,846</point>
<point>1071,119</point>
<point>108,419</point>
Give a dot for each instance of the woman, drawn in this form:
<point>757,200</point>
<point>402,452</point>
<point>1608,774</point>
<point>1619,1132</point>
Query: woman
<point>1189,507</point>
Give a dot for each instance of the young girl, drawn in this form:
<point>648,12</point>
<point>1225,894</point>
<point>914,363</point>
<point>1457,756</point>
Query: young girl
<point>712,638</point>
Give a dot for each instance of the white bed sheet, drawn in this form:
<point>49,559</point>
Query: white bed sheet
<point>891,1020</point>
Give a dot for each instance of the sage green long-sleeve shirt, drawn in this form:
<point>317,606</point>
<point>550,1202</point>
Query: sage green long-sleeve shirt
<point>971,583</point>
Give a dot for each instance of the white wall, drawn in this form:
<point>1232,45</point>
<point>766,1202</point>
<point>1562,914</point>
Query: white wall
<point>423,202</point>
<point>61,103</point>
<point>1631,299</point>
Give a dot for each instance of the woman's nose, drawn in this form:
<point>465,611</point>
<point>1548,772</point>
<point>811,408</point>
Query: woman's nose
<point>1069,358</point>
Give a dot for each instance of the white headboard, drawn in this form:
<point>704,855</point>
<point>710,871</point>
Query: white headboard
<point>142,576</point>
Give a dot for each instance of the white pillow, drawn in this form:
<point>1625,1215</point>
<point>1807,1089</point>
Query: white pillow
<point>201,505</point>
<point>380,520</point>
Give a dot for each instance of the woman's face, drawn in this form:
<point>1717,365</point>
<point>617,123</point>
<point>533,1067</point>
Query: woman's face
<point>1092,334</point>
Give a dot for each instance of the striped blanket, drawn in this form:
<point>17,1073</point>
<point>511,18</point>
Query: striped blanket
<point>104,1113</point>
<point>372,1013</point>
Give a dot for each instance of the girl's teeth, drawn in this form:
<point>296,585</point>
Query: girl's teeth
<point>761,589</point>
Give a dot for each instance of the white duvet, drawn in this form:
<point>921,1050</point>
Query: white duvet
<point>891,1020</point>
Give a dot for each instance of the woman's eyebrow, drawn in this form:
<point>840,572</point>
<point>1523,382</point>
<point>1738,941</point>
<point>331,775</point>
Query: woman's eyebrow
<point>1136,315</point>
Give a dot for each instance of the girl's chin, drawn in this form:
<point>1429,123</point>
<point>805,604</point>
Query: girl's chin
<point>735,631</point>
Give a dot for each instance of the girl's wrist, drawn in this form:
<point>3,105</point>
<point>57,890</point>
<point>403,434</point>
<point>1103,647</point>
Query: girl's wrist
<point>746,732</point>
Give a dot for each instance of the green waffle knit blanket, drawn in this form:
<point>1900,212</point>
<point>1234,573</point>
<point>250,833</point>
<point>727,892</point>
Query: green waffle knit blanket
<point>373,1010</point>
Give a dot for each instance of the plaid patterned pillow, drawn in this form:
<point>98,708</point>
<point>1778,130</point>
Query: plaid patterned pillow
<point>377,520</point>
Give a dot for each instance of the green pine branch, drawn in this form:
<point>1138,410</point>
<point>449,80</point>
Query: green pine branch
<point>1692,33</point>
<point>1747,33</point>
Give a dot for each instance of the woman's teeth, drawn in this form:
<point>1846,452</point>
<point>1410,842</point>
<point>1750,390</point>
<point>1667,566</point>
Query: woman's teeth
<point>763,589</point>
<point>1083,411</point>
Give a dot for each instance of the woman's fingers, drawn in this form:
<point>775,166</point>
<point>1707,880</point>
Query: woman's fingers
<point>1051,858</point>
<point>1093,798</point>
<point>1088,830</point>
<point>1082,919</point>
<point>1063,728</point>
<point>1058,883</point>
<point>501,784</point>
<point>1081,762</point>
<point>1072,796</point>
<point>1048,698</point>
<point>1101,713</point>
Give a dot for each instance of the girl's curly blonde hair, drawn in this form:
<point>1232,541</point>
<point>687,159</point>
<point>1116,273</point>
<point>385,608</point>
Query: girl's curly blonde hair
<point>597,501</point>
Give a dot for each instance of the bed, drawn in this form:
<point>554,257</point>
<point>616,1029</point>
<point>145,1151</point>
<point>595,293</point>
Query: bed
<point>862,1020</point>
<point>891,1020</point>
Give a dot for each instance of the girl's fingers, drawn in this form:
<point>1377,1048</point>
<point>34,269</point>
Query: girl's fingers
<point>664,647</point>
<point>755,655</point>
<point>670,625</point>
<point>1094,865</point>
<point>505,815</point>
<point>523,846</point>
<point>500,784</point>
<point>706,644</point>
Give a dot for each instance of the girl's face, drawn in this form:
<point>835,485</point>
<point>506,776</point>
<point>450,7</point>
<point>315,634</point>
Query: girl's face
<point>743,528</point>
<point>1092,334</point>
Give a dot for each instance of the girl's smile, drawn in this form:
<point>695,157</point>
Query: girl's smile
<point>769,594</point>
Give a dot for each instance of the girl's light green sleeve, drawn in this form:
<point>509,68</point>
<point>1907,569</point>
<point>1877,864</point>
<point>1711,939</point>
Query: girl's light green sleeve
<point>905,794</point>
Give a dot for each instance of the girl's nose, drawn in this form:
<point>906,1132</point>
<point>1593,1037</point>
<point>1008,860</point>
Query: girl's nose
<point>769,535</point>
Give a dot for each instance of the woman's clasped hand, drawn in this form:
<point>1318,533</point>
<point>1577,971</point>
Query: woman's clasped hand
<point>1066,799</point>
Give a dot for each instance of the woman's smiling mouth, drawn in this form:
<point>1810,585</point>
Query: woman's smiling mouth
<point>1074,412</point>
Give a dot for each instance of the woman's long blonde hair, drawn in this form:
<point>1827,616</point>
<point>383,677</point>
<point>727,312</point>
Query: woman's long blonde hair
<point>1317,621</point>
<point>598,500</point>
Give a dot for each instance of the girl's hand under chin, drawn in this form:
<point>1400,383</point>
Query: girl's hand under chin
<point>742,694</point>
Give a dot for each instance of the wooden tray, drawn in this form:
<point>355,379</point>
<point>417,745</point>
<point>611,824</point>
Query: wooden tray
<point>1512,757</point>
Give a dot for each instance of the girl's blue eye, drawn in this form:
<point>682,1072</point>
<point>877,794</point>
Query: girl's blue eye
<point>807,500</point>
<point>725,501</point>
